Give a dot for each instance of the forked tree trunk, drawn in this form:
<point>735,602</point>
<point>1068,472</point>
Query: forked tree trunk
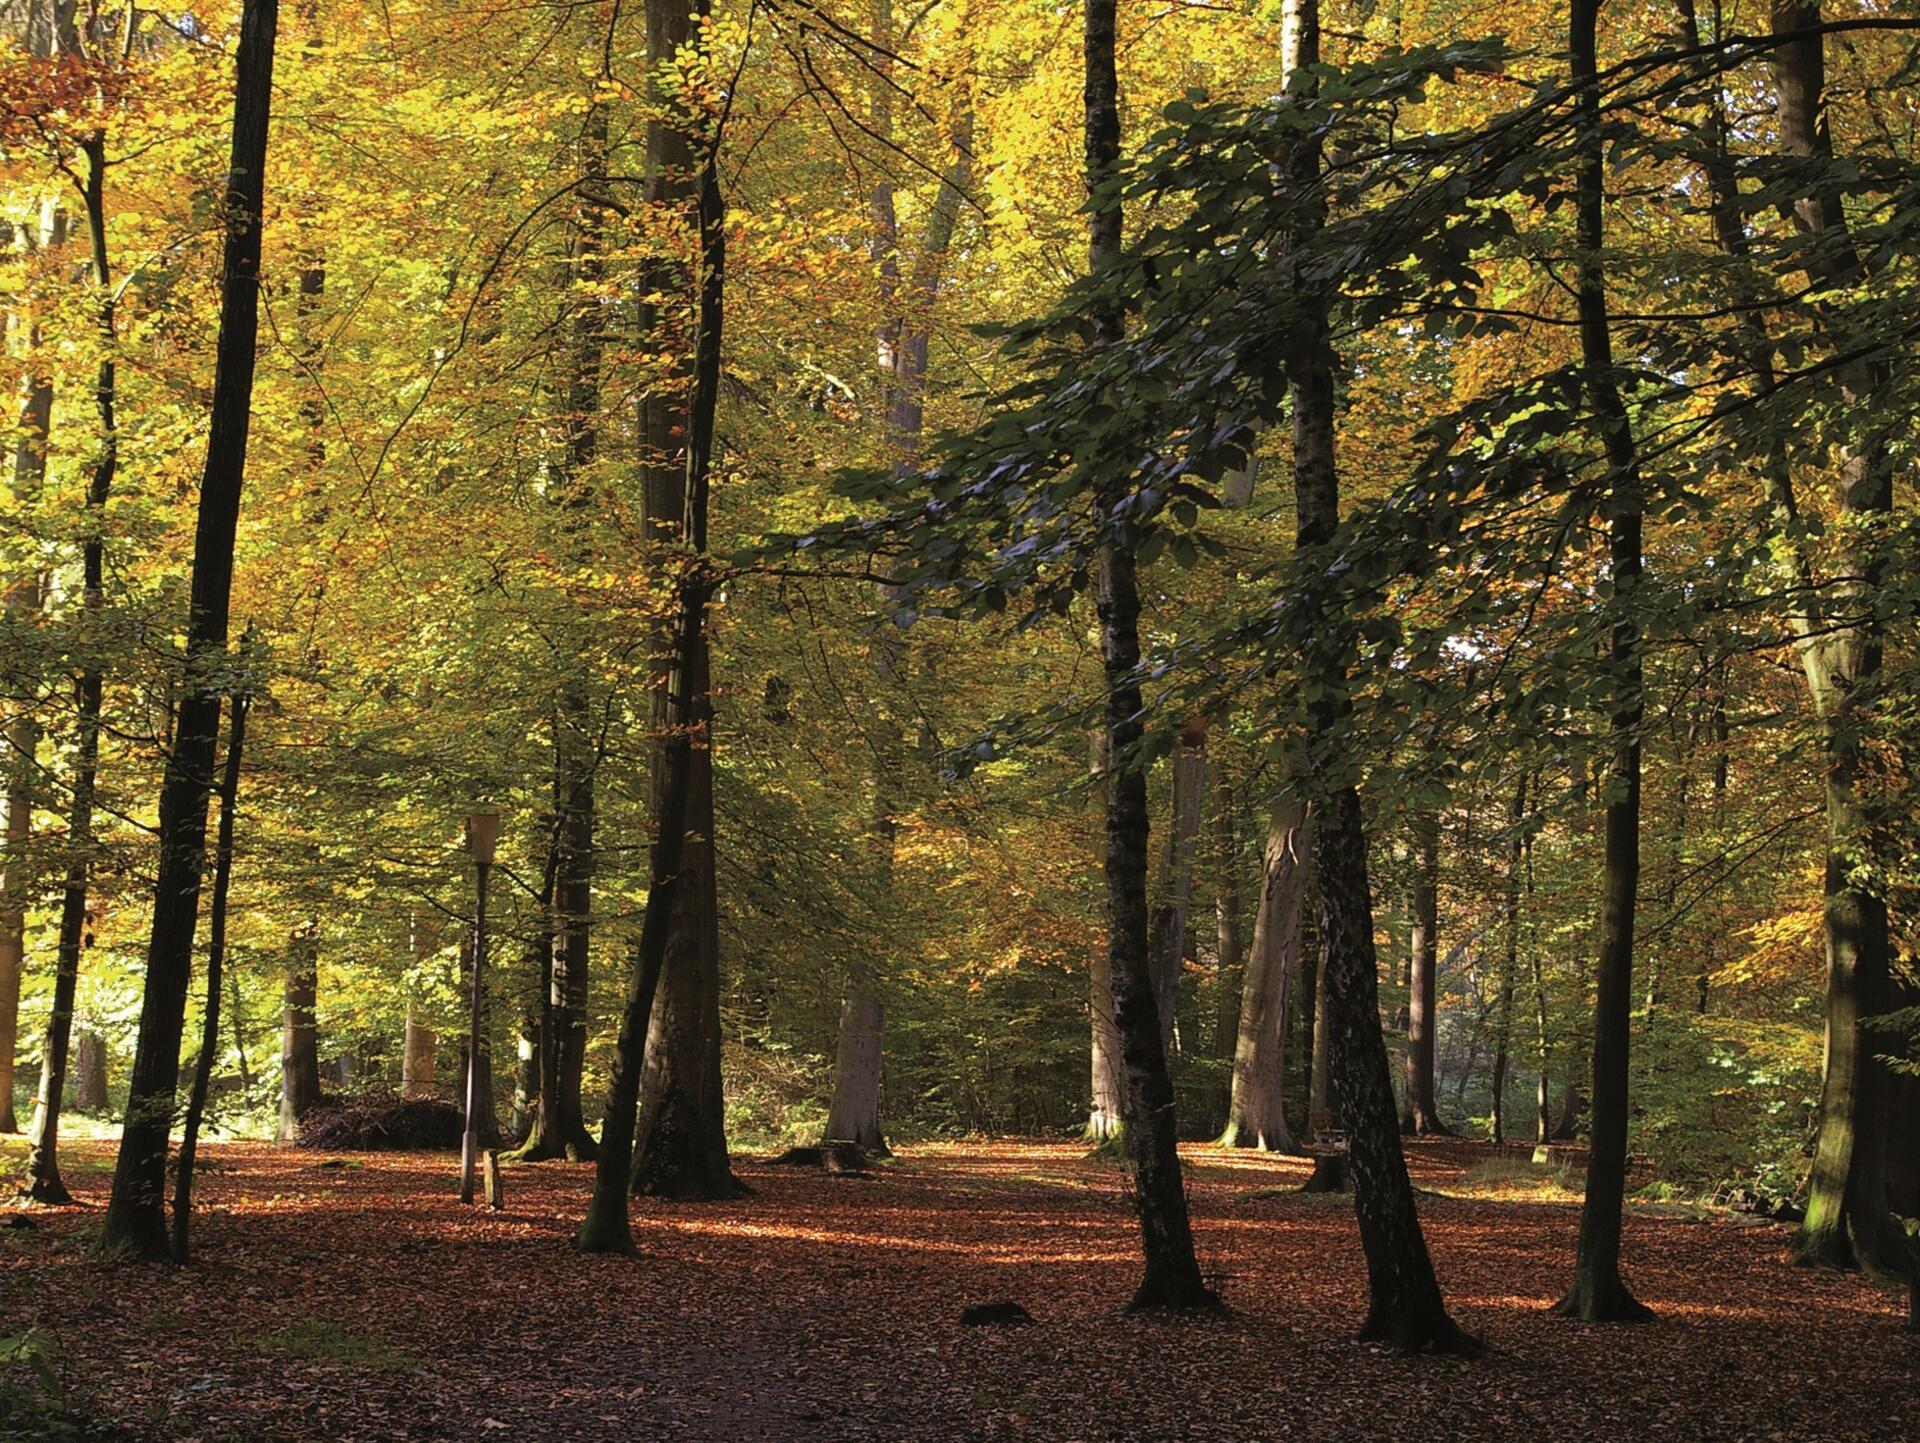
<point>606,1227</point>
<point>1172,1272</point>
<point>681,1148</point>
<point>1257,1111</point>
<point>1599,1293</point>
<point>1404,1303</point>
<point>1419,1114</point>
<point>216,960</point>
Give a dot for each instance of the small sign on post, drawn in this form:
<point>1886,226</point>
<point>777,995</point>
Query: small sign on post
<point>496,1191</point>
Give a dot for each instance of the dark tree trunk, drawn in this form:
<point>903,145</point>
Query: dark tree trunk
<point>606,1227</point>
<point>216,960</point>
<point>1419,1114</point>
<point>300,1032</point>
<point>1599,1294</point>
<point>43,1166</point>
<point>1404,1302</point>
<point>681,1149</point>
<point>1172,1276</point>
<point>136,1212</point>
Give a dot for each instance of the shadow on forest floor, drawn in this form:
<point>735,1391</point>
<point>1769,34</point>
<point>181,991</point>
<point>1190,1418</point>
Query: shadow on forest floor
<point>364,1302</point>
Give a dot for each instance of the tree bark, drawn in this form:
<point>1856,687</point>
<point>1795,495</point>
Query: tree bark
<point>1509,961</point>
<point>299,1032</point>
<point>1168,923</point>
<point>1104,1127</point>
<point>216,960</point>
<point>1599,1293</point>
<point>1257,1111</point>
<point>1419,1114</point>
<point>43,1167</point>
<point>1404,1303</point>
<point>1172,1272</point>
<point>22,603</point>
<point>1229,963</point>
<point>136,1216</point>
<point>685,738</point>
<point>416,1059</point>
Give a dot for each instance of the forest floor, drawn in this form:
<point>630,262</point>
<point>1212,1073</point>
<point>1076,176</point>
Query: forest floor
<point>352,1297</point>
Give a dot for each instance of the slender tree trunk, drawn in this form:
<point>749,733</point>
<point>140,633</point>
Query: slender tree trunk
<point>136,1215</point>
<point>43,1166</point>
<point>1599,1293</point>
<point>1229,965</point>
<point>1404,1302</point>
<point>606,1227</point>
<point>1257,1111</point>
<point>1104,1127</point>
<point>559,1121</point>
<point>23,602</point>
<point>1509,960</point>
<point>1168,923</point>
<point>1418,1112</point>
<point>216,959</point>
<point>300,1032</point>
<point>1172,1275</point>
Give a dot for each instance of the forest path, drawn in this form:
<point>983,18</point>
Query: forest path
<point>359,1300</point>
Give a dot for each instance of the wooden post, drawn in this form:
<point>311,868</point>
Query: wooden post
<point>496,1190</point>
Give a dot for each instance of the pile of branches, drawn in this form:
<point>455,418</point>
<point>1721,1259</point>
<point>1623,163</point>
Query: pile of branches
<point>382,1121</point>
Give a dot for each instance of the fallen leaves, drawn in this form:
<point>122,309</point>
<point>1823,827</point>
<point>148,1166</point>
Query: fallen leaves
<point>366,1303</point>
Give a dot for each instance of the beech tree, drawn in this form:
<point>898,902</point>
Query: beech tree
<point>136,1218</point>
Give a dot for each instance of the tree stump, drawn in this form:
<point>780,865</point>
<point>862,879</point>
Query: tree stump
<point>496,1189</point>
<point>1329,1172</point>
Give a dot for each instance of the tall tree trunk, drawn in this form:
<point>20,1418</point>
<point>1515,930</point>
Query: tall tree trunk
<point>299,1031</point>
<point>216,959</point>
<point>1509,960</point>
<point>559,1122</point>
<point>1599,1293</point>
<point>1841,650</point>
<point>22,604</point>
<point>43,1165</point>
<point>902,352</point>
<point>606,1227</point>
<point>1229,964</point>
<point>1257,1111</point>
<point>136,1216</point>
<point>1418,1112</point>
<point>1108,1088</point>
<point>1404,1302</point>
<point>1168,923</point>
<point>1172,1275</point>
<point>681,1147</point>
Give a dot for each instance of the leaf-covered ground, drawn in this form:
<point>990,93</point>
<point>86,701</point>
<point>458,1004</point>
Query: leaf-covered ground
<point>354,1298</point>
